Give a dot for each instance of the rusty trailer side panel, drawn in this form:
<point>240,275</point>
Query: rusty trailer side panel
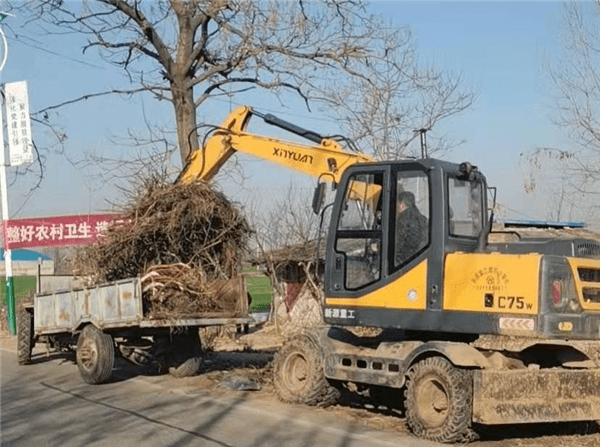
<point>189,322</point>
<point>115,304</point>
<point>546,395</point>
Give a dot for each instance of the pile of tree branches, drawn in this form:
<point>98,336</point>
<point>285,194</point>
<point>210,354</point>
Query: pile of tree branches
<point>192,231</point>
<point>177,290</point>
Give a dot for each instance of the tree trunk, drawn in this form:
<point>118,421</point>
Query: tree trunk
<point>185,119</point>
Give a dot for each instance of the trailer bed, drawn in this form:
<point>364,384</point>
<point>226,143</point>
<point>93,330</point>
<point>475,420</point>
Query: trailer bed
<point>117,305</point>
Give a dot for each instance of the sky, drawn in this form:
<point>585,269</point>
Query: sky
<point>501,49</point>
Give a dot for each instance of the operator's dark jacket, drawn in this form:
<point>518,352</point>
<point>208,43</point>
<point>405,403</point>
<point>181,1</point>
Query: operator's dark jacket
<point>411,229</point>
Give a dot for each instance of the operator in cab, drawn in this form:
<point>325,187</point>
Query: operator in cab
<point>411,228</point>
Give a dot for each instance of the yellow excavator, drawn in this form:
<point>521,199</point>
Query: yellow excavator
<point>473,332</point>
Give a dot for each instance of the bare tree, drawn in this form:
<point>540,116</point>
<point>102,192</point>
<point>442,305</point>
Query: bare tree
<point>286,241</point>
<point>556,174</point>
<point>576,77</point>
<point>188,51</point>
<point>397,100</point>
<point>287,232</point>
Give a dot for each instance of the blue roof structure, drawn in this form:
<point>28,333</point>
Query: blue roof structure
<point>543,224</point>
<point>25,255</point>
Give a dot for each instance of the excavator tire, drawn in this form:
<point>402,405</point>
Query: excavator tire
<point>439,401</point>
<point>299,377</point>
<point>24,335</point>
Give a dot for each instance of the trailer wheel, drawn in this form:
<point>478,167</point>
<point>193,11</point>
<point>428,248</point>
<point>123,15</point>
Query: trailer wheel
<point>299,376</point>
<point>95,355</point>
<point>439,400</point>
<point>188,368</point>
<point>179,354</point>
<point>24,335</point>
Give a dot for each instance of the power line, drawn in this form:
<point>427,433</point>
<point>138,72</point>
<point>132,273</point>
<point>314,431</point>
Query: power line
<point>46,50</point>
<point>266,109</point>
<point>227,101</point>
<point>515,211</point>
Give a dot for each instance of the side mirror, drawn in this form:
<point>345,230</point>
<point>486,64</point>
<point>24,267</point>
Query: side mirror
<point>318,198</point>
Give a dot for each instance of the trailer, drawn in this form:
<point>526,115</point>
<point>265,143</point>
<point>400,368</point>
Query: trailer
<point>109,320</point>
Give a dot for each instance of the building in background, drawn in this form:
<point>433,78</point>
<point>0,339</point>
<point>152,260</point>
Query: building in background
<point>26,262</point>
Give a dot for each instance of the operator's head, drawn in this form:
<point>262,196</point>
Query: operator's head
<point>406,200</point>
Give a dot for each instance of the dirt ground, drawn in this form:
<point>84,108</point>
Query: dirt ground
<point>237,357</point>
<point>252,360</point>
<point>362,410</point>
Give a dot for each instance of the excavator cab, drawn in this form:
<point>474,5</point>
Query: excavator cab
<point>388,246</point>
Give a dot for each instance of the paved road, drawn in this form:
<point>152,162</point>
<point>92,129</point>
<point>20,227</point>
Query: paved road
<point>47,403</point>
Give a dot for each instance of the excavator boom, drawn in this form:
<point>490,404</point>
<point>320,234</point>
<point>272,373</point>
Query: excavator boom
<point>326,160</point>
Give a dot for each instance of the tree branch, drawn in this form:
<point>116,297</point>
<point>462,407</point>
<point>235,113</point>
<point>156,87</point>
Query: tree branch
<point>95,95</point>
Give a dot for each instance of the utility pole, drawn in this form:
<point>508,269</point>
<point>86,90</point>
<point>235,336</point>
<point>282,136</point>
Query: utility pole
<point>10,285</point>
<point>21,142</point>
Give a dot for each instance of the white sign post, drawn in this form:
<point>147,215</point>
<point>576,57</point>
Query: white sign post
<point>18,123</point>
<point>21,151</point>
<point>10,294</point>
<point>20,148</point>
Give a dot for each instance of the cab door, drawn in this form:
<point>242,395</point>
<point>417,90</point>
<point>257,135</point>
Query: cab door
<point>359,242</point>
<point>378,245</point>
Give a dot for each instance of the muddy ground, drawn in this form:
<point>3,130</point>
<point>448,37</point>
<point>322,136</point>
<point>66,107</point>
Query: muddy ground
<point>224,363</point>
<point>364,411</point>
<point>236,357</point>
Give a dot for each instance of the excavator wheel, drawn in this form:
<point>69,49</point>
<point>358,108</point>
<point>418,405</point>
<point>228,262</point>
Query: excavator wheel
<point>439,401</point>
<point>298,374</point>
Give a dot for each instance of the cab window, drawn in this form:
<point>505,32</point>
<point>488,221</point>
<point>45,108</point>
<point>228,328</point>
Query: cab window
<point>359,230</point>
<point>465,200</point>
<point>411,229</point>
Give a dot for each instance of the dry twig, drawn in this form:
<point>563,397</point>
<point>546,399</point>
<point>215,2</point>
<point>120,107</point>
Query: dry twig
<point>182,239</point>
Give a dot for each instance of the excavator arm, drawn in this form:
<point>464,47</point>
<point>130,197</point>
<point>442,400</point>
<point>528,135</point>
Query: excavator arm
<point>325,160</point>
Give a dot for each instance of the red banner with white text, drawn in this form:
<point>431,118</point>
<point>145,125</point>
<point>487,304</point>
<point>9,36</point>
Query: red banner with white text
<point>60,231</point>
